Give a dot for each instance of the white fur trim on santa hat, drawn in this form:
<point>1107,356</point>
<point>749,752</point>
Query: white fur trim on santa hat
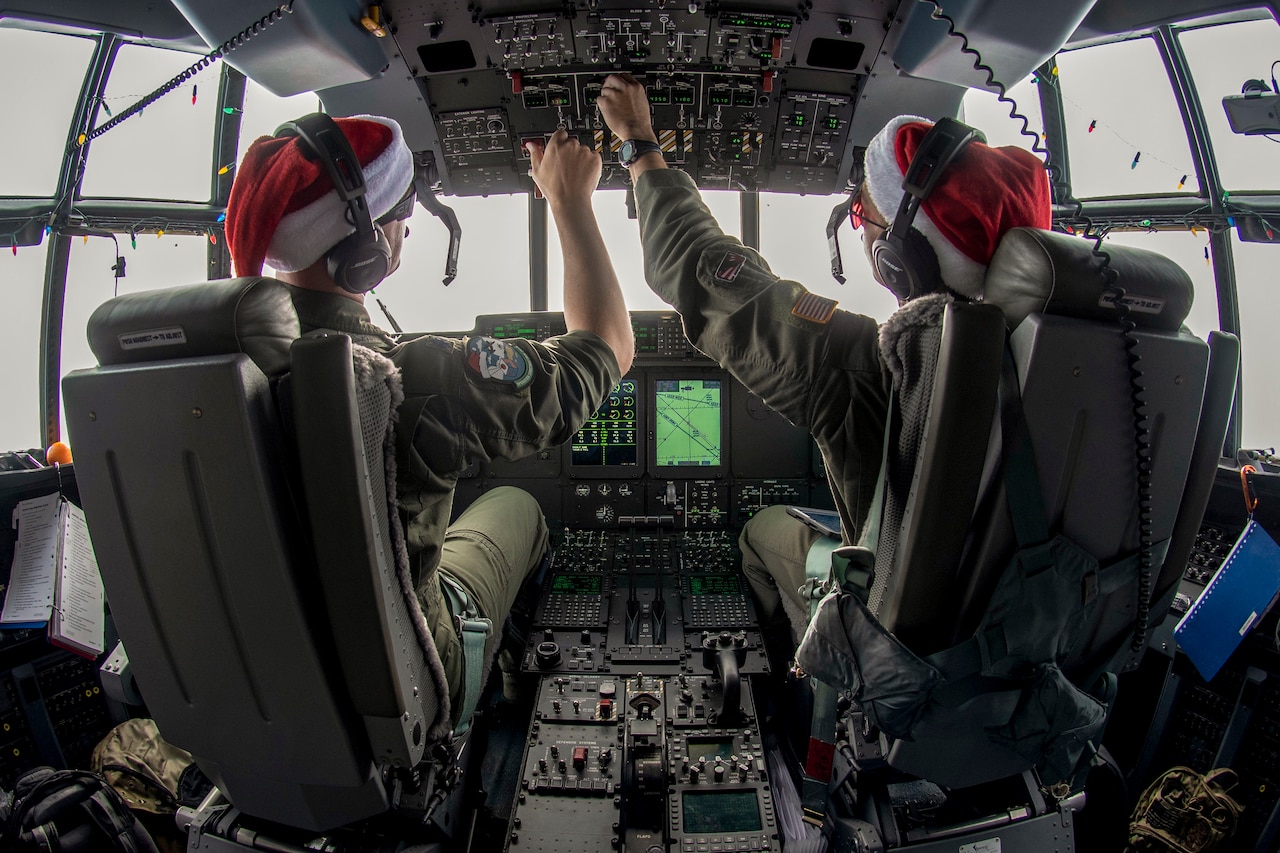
<point>305,235</point>
<point>883,181</point>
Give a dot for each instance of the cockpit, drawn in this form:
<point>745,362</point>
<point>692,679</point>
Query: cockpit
<point>929,686</point>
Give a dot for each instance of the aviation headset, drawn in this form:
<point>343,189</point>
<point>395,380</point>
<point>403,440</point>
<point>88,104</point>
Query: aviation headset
<point>904,260</point>
<point>363,259</point>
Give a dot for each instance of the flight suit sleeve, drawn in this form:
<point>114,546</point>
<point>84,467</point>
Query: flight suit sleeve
<point>492,398</point>
<point>780,341</point>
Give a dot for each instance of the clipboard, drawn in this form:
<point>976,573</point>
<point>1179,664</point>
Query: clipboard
<point>1233,603</point>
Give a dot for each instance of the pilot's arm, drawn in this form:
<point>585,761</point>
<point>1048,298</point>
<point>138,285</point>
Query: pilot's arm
<point>810,362</point>
<point>567,173</point>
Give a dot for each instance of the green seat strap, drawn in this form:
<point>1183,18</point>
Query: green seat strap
<point>473,631</point>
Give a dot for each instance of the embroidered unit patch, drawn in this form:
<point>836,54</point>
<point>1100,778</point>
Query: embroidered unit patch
<point>815,308</point>
<point>730,266</point>
<point>492,358</point>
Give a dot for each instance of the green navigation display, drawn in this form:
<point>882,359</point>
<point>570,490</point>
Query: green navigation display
<point>609,438</point>
<point>576,584</point>
<point>687,423</point>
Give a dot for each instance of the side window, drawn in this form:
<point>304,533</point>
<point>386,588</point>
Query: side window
<point>987,113</point>
<point>164,152</point>
<point>1187,251</point>
<point>1123,146</point>
<point>264,112</point>
<point>158,262</point>
<point>1259,344</point>
<point>1222,58</point>
<point>20,330</point>
<point>46,106</point>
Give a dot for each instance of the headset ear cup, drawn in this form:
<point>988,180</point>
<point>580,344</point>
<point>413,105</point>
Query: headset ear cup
<point>358,265</point>
<point>892,269</point>
<point>909,269</point>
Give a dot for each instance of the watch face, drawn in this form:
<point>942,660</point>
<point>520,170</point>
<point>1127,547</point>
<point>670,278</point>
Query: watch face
<point>633,149</point>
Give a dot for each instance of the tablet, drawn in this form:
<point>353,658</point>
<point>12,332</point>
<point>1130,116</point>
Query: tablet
<point>825,521</point>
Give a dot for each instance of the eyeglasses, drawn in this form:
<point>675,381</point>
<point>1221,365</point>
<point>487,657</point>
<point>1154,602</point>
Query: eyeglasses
<point>858,217</point>
<point>402,210</point>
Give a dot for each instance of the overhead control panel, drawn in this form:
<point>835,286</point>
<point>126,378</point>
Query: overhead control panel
<point>729,87</point>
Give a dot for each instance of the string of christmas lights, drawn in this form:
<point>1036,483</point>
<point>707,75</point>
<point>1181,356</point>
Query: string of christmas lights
<point>1141,155</point>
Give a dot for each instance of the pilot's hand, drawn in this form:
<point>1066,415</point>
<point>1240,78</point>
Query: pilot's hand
<point>566,171</point>
<point>625,108</point>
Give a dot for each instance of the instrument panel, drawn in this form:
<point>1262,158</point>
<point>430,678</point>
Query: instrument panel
<point>677,445</point>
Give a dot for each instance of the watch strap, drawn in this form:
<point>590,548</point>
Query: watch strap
<point>639,148</point>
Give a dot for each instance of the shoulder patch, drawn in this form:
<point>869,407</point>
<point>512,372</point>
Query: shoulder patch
<point>501,360</point>
<point>730,266</point>
<point>815,308</point>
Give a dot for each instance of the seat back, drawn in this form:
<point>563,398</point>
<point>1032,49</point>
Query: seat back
<point>241,521</point>
<point>956,536</point>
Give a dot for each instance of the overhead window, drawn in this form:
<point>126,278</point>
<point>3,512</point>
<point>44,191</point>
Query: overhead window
<point>43,74</point>
<point>1123,145</point>
<point>166,151</point>
<point>1222,59</point>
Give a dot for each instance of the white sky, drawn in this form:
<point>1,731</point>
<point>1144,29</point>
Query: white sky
<point>164,153</point>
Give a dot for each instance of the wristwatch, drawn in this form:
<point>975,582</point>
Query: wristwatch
<point>633,149</point>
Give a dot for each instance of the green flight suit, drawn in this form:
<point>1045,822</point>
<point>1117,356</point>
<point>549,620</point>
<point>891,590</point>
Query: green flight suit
<point>825,374</point>
<point>465,399</point>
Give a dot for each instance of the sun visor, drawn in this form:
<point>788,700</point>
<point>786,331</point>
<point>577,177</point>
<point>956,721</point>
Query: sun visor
<point>1012,41</point>
<point>318,45</point>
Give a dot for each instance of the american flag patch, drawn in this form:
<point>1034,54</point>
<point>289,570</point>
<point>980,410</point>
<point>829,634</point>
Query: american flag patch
<point>815,308</point>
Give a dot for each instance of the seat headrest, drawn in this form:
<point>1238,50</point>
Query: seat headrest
<point>1047,272</point>
<point>252,315</point>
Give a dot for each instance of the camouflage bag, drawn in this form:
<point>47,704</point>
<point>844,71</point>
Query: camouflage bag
<point>148,772</point>
<point>1185,812</point>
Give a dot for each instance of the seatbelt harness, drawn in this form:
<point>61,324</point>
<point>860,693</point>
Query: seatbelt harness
<point>473,631</point>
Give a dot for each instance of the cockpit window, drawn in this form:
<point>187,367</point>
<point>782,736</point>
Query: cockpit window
<point>622,236</point>
<point>1259,345</point>
<point>988,114</point>
<point>45,105</point>
<point>20,331</point>
<point>793,237</point>
<point>158,262</point>
<point>1221,59</point>
<point>264,112</point>
<point>493,266</point>
<point>1124,132</point>
<point>165,152</point>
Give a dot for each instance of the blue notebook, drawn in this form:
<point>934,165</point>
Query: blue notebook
<point>1233,602</point>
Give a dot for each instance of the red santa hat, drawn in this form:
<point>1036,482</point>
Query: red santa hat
<point>983,193</point>
<point>283,208</point>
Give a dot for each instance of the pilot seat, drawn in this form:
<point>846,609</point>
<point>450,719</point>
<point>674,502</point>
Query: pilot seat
<point>238,481</point>
<point>1025,559</point>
